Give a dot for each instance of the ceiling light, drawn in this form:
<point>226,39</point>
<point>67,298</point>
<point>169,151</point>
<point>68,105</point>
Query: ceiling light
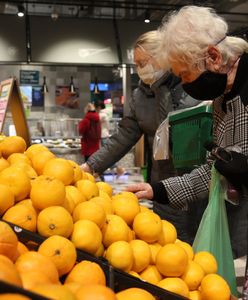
<point>72,87</point>
<point>44,87</point>
<point>96,88</point>
<point>147,17</point>
<point>21,11</point>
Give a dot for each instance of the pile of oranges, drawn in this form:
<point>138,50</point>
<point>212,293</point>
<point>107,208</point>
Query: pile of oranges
<point>55,198</point>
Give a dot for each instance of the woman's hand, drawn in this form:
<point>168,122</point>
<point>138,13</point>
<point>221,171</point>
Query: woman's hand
<point>86,168</point>
<point>141,190</point>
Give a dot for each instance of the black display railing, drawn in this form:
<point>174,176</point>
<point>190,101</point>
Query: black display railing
<point>115,279</point>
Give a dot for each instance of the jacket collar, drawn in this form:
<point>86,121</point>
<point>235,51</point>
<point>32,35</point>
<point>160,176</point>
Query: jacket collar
<point>240,85</point>
<point>168,79</point>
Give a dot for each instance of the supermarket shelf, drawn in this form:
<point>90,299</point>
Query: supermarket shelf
<point>115,279</point>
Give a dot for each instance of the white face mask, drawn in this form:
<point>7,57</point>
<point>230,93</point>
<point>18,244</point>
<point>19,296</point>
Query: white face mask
<point>148,74</point>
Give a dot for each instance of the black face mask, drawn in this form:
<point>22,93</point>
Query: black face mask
<point>208,86</point>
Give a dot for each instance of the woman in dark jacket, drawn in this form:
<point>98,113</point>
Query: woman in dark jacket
<point>158,93</point>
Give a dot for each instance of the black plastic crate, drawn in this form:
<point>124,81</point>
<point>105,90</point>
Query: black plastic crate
<point>6,287</point>
<point>115,279</point>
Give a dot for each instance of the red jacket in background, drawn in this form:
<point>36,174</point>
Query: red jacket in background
<point>89,145</point>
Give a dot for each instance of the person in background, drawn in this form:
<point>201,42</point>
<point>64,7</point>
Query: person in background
<point>90,129</point>
<point>104,119</point>
<point>154,98</point>
<point>211,65</point>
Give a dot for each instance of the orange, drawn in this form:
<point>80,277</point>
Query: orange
<point>155,247</point>
<point>193,275</point>
<point>24,216</point>
<point>195,295</point>
<point>47,191</point>
<point>88,188</point>
<point>39,160</point>
<point>7,198</point>
<point>126,207</point>
<point>12,144</point>
<point>151,275</point>
<point>76,171</point>
<point>104,195</point>
<point>131,235</point>
<point>31,261</point>
<point>214,287</point>
<point>72,198</point>
<point>135,274</point>
<point>54,291</point>
<point>73,286</point>
<point>175,285</point>
<point>171,260</point>
<point>125,194</point>
<point>95,292</point>
<point>90,210</point>
<point>186,247</point>
<point>59,168</point>
<point>144,208</point>
<point>145,220</point>
<point>3,164</point>
<point>86,236</point>
<point>17,180</point>
<point>134,294</point>
<point>18,157</point>
<point>9,296</point>
<point>61,251</point>
<point>115,229</point>
<point>34,150</point>
<point>168,234</point>
<point>54,220</point>
<point>21,248</point>
<point>142,255</point>
<point>120,255</point>
<point>86,273</point>
<point>26,168</point>
<point>105,202</point>
<point>8,240</point>
<point>207,261</point>
<point>100,251</point>
<point>88,176</point>
<point>33,278</point>
<point>9,272</point>
<point>107,188</point>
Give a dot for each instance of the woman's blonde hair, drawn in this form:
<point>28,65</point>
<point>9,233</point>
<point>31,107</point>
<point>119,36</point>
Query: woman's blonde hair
<point>187,33</point>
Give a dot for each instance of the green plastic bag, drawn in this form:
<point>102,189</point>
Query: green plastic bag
<point>213,232</point>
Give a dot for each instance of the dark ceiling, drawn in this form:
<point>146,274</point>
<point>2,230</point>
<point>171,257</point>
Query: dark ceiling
<point>234,11</point>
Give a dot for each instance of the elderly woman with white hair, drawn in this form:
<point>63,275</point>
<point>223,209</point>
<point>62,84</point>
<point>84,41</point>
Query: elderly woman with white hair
<point>213,66</point>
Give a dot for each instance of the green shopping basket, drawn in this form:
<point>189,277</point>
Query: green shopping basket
<point>189,130</point>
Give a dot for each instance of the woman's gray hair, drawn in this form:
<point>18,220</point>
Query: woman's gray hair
<point>187,33</point>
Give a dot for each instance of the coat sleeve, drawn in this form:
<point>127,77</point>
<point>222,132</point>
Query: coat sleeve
<point>127,135</point>
<point>182,190</point>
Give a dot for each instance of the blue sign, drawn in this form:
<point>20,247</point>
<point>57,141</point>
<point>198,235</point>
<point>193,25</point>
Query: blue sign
<point>29,77</point>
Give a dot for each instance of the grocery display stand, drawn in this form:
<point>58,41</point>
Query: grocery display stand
<point>10,99</point>
<point>115,279</point>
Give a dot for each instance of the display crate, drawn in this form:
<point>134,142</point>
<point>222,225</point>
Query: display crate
<point>115,279</point>
<point>6,287</point>
<point>189,130</point>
